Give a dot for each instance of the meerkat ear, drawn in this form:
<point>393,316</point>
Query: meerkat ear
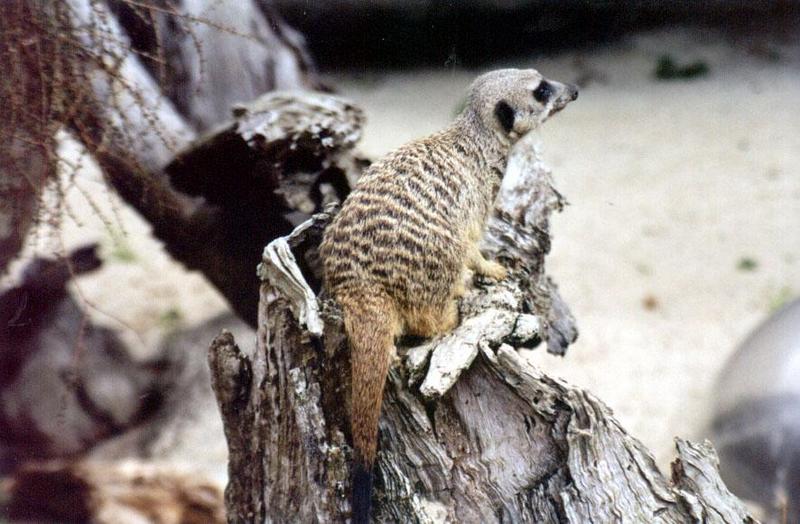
<point>505,115</point>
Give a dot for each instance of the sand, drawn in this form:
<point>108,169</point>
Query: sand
<point>682,233</point>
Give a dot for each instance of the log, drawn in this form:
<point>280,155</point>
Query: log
<point>470,431</point>
<point>283,157</point>
<point>57,368</point>
<point>256,176</point>
<point>124,79</point>
<point>118,492</point>
<point>166,463</point>
<point>208,55</point>
<point>244,172</point>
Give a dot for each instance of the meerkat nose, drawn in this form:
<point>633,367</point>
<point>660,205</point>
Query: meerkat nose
<point>573,91</point>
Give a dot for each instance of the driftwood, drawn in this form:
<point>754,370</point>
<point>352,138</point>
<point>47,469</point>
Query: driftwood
<point>139,82</point>
<point>91,432</point>
<point>118,492</point>
<point>153,452</point>
<point>217,53</point>
<point>65,383</point>
<point>281,159</point>
<point>214,201</point>
<point>245,172</point>
<point>470,431</point>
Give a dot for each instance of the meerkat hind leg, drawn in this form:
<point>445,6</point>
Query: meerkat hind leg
<point>483,267</point>
<point>460,287</point>
<point>429,321</point>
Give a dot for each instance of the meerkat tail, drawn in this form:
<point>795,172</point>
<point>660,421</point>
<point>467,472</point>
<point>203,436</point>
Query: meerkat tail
<point>371,324</point>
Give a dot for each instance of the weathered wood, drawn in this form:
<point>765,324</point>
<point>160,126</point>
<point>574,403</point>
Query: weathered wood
<point>135,82</point>
<point>208,55</point>
<point>259,175</point>
<point>282,158</point>
<point>168,463</point>
<point>56,366</point>
<point>470,431</point>
<point>119,492</point>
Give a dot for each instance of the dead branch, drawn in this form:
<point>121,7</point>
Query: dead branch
<point>169,463</point>
<point>207,55</point>
<point>56,366</point>
<point>258,176</point>
<point>76,67</point>
<point>109,493</point>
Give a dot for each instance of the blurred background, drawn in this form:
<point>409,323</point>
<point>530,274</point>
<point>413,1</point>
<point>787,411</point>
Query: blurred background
<point>680,161</point>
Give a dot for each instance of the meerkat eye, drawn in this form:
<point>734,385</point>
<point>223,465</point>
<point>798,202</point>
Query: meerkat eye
<point>543,92</point>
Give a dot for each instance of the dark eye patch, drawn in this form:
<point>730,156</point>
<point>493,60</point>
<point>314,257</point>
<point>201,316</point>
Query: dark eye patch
<point>543,92</point>
<point>505,115</point>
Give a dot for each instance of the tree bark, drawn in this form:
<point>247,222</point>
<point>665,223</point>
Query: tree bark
<point>470,431</point>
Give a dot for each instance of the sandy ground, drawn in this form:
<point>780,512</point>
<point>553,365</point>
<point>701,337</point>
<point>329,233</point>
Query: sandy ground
<point>671,184</point>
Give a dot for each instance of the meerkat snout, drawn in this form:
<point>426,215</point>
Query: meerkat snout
<point>570,92</point>
<point>562,94</point>
<point>573,91</point>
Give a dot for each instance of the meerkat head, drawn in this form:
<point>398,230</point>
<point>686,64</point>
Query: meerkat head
<point>512,102</point>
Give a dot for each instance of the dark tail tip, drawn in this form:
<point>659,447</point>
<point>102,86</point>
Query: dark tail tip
<point>362,493</point>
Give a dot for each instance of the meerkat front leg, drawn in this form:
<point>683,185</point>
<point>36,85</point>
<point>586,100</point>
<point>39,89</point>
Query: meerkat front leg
<point>483,267</point>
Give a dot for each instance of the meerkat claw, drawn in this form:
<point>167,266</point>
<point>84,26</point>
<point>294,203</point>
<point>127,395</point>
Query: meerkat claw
<point>494,271</point>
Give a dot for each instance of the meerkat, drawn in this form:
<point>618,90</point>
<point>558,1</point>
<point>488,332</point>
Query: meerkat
<point>395,257</point>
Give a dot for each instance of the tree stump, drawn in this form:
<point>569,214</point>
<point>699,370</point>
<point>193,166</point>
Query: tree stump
<point>470,431</point>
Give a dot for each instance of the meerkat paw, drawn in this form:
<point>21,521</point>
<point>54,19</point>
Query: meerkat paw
<point>395,359</point>
<point>483,267</point>
<point>493,270</point>
<point>460,289</point>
